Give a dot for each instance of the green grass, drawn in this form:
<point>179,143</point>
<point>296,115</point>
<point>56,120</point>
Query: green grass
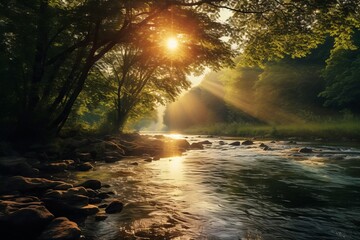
<point>342,130</point>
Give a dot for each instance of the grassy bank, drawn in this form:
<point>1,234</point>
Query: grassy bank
<point>344,130</point>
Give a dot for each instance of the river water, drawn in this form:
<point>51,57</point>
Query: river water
<point>234,192</point>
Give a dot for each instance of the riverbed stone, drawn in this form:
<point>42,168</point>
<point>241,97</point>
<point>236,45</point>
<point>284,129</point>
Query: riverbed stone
<point>17,166</point>
<point>84,166</point>
<point>196,145</point>
<point>24,184</point>
<point>92,184</point>
<point>22,217</point>
<point>114,207</point>
<point>61,228</point>
<point>247,142</point>
<point>236,143</point>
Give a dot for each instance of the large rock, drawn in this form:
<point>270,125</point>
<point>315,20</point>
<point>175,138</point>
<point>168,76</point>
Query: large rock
<point>247,142</point>
<point>24,184</point>
<point>17,166</point>
<point>61,229</point>
<point>237,143</point>
<point>182,143</point>
<point>91,183</point>
<point>22,217</point>
<point>84,166</point>
<point>114,207</point>
<point>196,145</point>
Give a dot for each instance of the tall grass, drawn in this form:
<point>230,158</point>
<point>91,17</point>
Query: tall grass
<point>341,130</point>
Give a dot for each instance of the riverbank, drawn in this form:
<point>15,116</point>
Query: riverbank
<point>39,201</point>
<point>333,131</point>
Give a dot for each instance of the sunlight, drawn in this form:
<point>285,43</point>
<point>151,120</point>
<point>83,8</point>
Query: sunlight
<point>172,43</point>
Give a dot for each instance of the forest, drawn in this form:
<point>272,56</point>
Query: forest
<point>99,64</point>
<point>320,88</point>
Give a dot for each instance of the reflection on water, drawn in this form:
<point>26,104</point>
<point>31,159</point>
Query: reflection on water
<point>226,192</point>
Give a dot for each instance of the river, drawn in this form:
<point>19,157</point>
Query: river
<point>234,192</point>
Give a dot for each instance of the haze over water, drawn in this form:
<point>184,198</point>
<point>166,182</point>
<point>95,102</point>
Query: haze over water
<point>235,192</point>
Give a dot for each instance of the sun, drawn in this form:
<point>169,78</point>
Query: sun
<point>172,43</point>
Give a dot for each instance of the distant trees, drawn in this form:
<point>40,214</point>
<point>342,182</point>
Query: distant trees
<point>342,75</point>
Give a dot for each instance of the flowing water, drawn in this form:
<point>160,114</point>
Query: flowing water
<point>235,192</point>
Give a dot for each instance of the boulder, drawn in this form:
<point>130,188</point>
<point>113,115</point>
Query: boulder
<point>92,184</point>
<point>247,142</point>
<point>206,142</point>
<point>182,143</point>
<point>262,145</point>
<point>84,166</point>
<point>17,166</point>
<point>221,143</point>
<point>61,228</point>
<point>114,207</point>
<point>24,184</point>
<point>237,143</point>
<point>22,217</point>
<point>196,145</point>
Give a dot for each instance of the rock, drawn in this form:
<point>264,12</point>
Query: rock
<point>22,217</point>
<point>55,167</point>
<point>262,145</point>
<point>221,143</point>
<point>196,146</point>
<point>24,184</point>
<point>33,216</point>
<point>17,166</point>
<point>182,143</point>
<point>247,142</point>
<point>76,190</point>
<point>84,166</point>
<point>148,160</point>
<point>103,195</point>
<point>64,207</point>
<point>237,143</point>
<point>114,207</point>
<point>206,142</point>
<point>266,148</point>
<point>103,205</point>
<point>95,200</point>
<point>91,193</point>
<point>63,186</point>
<point>100,217</point>
<point>134,163</point>
<point>61,228</point>
<point>305,150</point>
<point>92,184</point>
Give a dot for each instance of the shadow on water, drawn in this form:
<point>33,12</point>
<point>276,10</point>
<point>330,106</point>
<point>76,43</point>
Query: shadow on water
<point>225,192</point>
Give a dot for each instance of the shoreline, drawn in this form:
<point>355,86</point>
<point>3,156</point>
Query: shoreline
<point>39,202</point>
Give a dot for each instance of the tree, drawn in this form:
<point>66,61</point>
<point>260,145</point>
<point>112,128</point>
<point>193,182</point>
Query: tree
<point>342,75</point>
<point>48,59</point>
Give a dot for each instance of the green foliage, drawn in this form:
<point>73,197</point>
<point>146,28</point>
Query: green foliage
<point>342,75</point>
